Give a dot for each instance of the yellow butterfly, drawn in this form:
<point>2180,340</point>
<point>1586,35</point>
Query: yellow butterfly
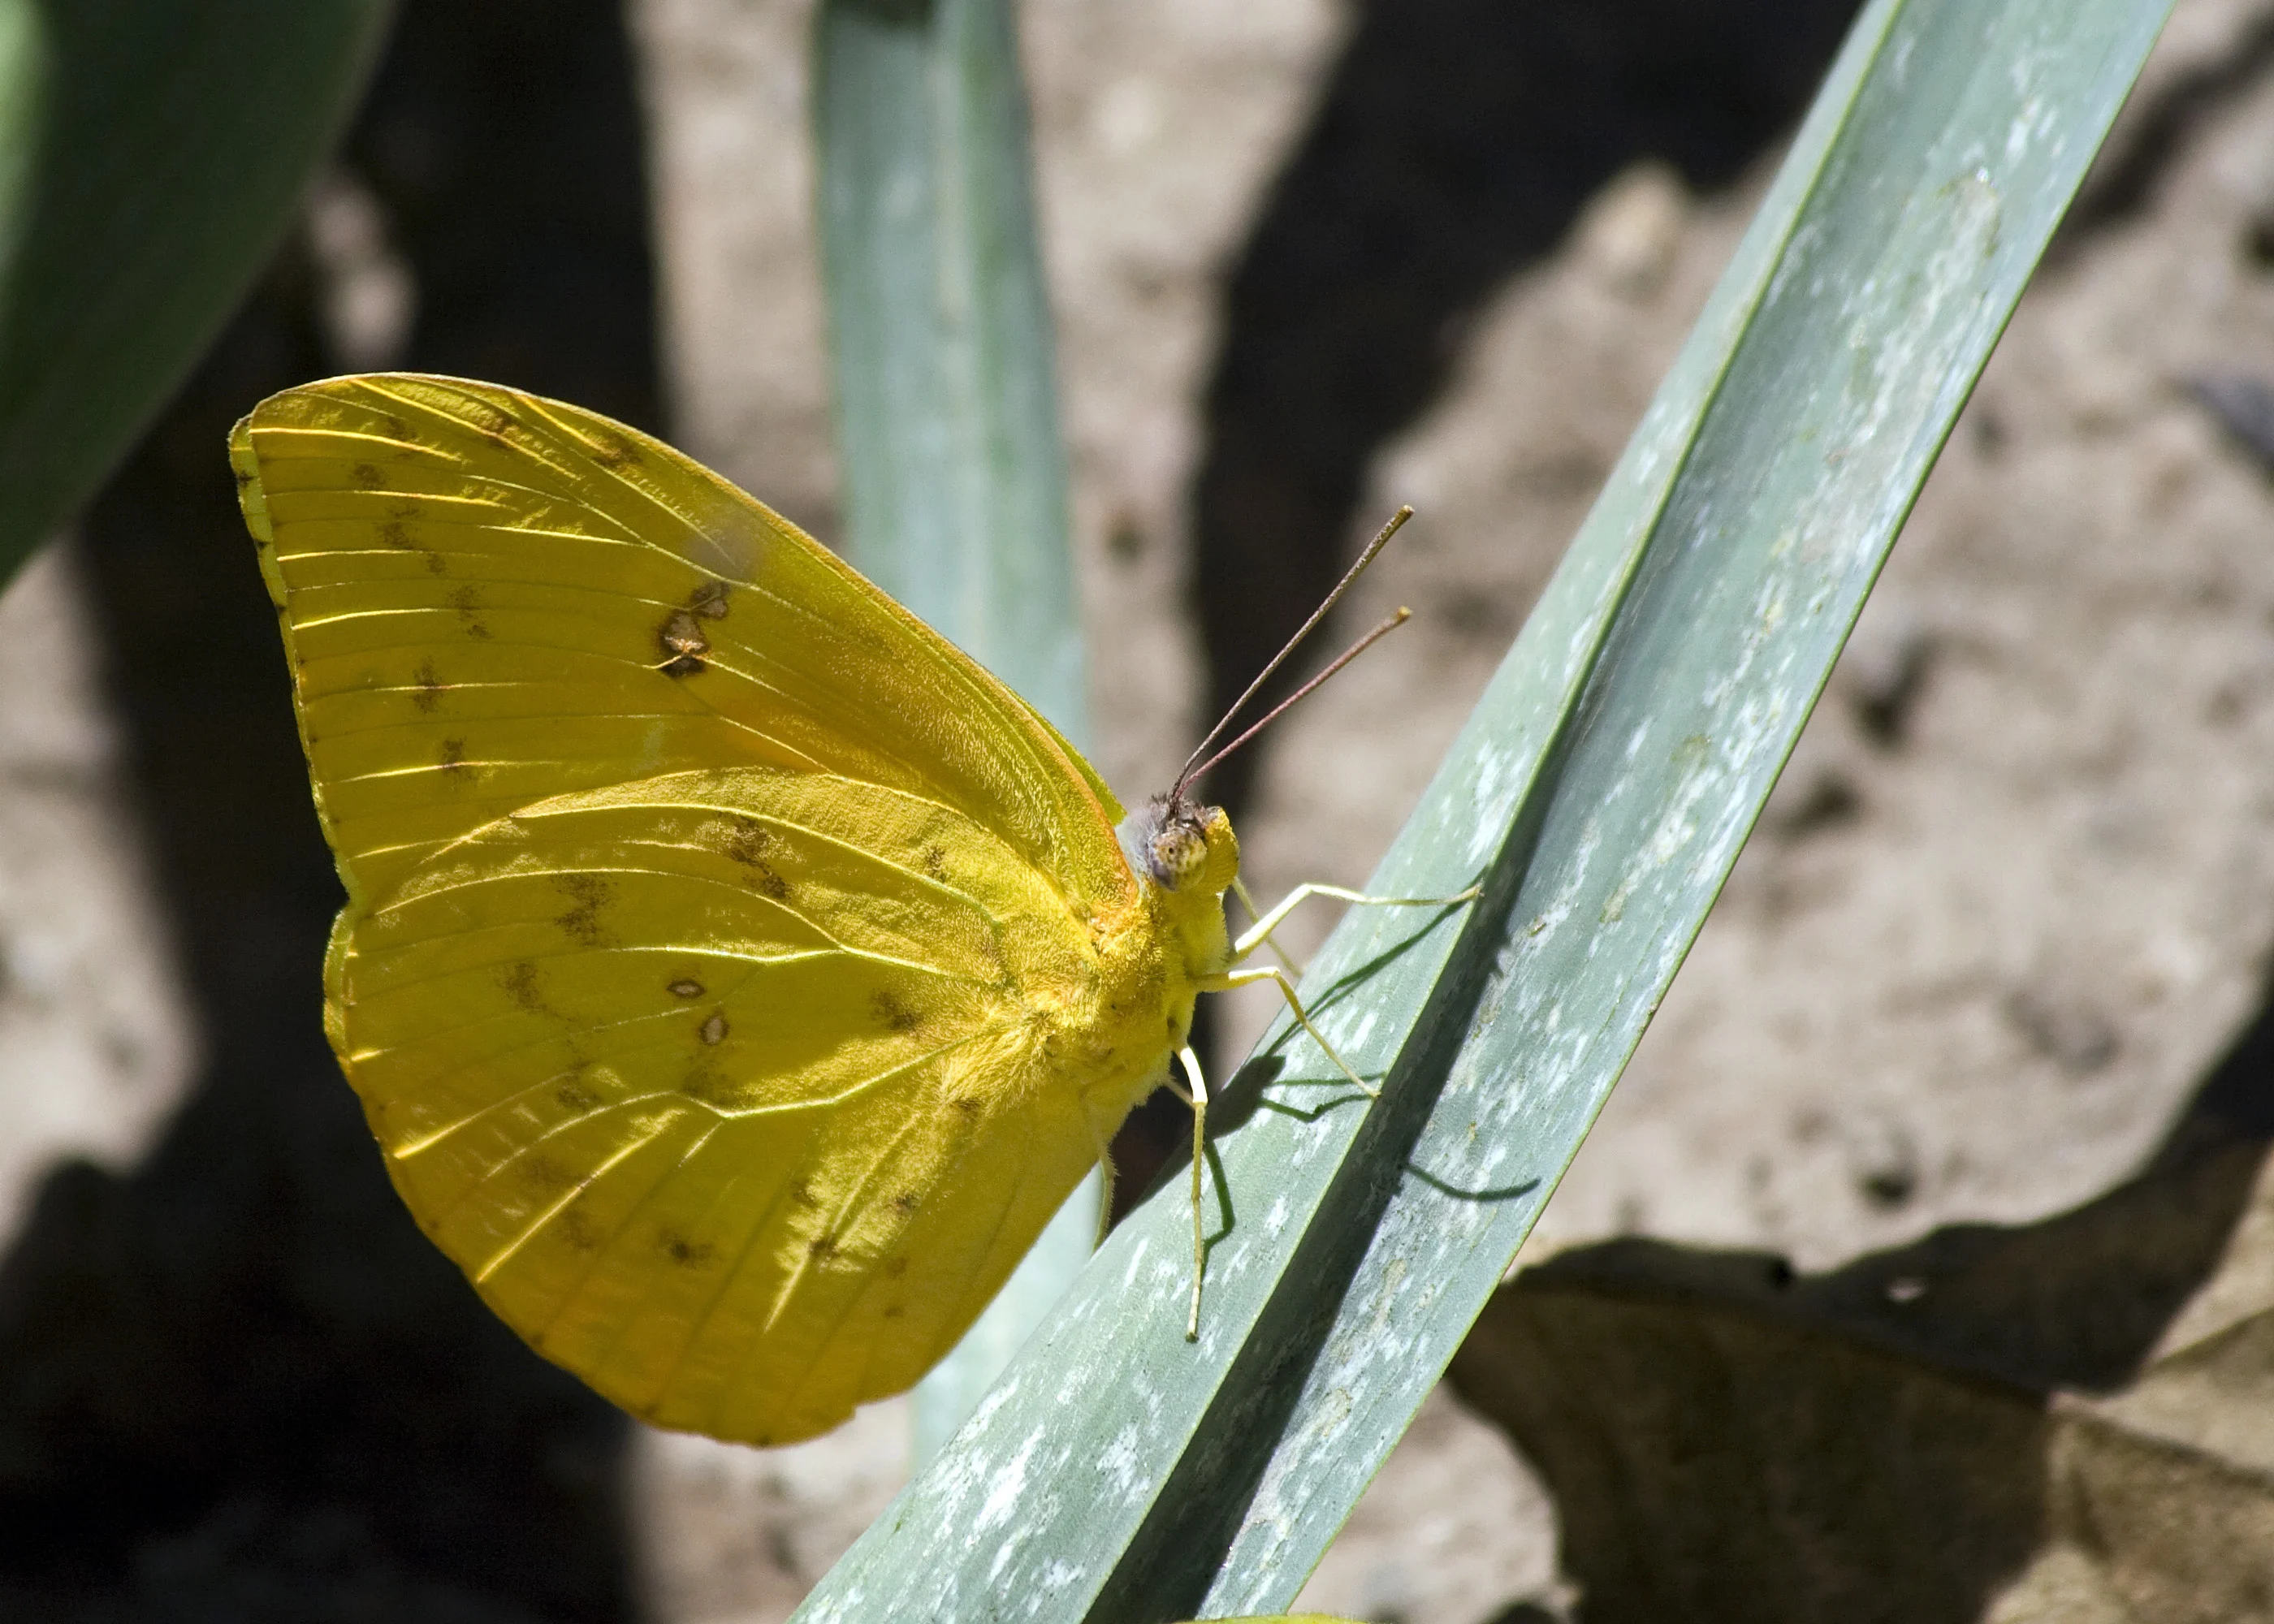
<point>736,975</point>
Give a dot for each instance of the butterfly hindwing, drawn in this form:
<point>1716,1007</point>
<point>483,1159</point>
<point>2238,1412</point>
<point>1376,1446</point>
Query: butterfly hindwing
<point>687,1073</point>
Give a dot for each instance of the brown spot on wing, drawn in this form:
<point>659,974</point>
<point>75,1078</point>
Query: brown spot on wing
<point>709,600</point>
<point>452,756</point>
<point>707,1087</point>
<point>894,1267</point>
<point>684,1252</point>
<point>578,1230</point>
<point>935,862</point>
<point>368,477</point>
<point>713,1031</point>
<point>575,1096</point>
<point>746,842</point>
<point>686,986</point>
<point>612,451</point>
<point>683,644</point>
<point>906,1202</point>
<point>488,419</point>
<point>520,983</point>
<point>467,603</point>
<point>821,1247</point>
<point>543,1175</point>
<point>393,533</point>
<point>588,893</point>
<point>895,1015</point>
<point>429,686</point>
<point>967,1106</point>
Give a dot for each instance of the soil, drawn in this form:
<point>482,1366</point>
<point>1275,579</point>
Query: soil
<point>2011,899</point>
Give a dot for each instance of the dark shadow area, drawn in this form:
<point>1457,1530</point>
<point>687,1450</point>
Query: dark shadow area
<point>1726,1439</point>
<point>1453,144</point>
<point>236,1383</point>
<point>2155,132</point>
<point>506,141</point>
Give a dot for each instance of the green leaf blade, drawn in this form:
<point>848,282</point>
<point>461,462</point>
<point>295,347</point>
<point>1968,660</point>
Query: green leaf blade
<point>946,370</point>
<point>1602,789</point>
<point>947,393</point>
<point>1967,131</point>
<point>151,155</point>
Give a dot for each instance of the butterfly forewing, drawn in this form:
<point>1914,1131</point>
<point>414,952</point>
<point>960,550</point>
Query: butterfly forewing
<point>466,572</point>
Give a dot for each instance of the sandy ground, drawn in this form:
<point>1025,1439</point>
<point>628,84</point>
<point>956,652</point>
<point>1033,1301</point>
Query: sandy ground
<point>2014,895</point>
<point>2016,891</point>
<point>94,1037</point>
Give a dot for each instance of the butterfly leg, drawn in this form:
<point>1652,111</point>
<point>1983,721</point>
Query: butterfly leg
<point>1230,978</point>
<point>1239,890</point>
<point>1105,1170</point>
<point>1260,933</point>
<point>1197,1097</point>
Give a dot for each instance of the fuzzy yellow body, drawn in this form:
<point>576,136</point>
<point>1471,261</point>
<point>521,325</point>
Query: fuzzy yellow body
<point>735,975</point>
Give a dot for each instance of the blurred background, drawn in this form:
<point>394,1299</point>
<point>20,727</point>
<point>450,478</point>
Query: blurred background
<point>1999,945</point>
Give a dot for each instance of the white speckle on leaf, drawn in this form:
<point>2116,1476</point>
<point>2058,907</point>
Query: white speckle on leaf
<point>1001,1394</point>
<point>1119,1460</point>
<point>1003,1493</point>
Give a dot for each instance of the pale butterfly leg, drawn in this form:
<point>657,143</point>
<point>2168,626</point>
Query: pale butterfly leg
<point>1260,933</point>
<point>1106,1173</point>
<point>1256,935</point>
<point>1230,978</point>
<point>1239,890</point>
<point>1198,1099</point>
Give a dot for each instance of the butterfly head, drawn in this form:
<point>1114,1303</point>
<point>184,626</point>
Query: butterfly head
<point>1181,846</point>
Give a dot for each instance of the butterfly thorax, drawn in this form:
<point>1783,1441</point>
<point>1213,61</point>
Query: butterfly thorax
<point>1184,858</point>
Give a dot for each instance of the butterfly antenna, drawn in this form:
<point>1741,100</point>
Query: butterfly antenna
<point>1185,778</point>
<point>1389,623</point>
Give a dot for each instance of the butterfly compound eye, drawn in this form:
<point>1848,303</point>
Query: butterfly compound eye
<point>1177,853</point>
<point>1181,846</point>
